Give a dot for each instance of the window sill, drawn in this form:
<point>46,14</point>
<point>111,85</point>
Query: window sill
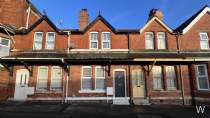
<point>48,91</point>
<point>204,90</point>
<point>92,91</point>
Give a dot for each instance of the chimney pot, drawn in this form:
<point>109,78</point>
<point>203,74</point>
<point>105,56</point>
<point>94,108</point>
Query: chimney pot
<point>156,13</point>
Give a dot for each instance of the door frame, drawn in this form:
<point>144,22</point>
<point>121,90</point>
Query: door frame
<point>144,77</point>
<point>21,71</point>
<point>124,71</point>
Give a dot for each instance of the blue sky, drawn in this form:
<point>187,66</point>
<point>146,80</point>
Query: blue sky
<point>131,14</point>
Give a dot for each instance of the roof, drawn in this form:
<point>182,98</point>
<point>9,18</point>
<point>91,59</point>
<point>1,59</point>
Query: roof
<point>189,21</point>
<point>101,18</point>
<point>43,18</point>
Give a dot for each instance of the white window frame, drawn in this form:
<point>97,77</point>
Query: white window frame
<point>153,39</point>
<point>47,40</point>
<point>105,41</point>
<point>8,43</point>
<point>95,41</point>
<point>161,71</point>
<point>204,33</point>
<point>37,88</point>
<point>34,41</point>
<point>158,39</point>
<point>51,88</point>
<point>167,77</point>
<point>85,78</point>
<point>197,77</point>
<point>99,67</point>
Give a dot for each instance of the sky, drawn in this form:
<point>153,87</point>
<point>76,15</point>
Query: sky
<point>122,14</point>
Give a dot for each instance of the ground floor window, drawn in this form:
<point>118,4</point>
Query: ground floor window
<point>202,77</point>
<point>56,81</point>
<point>100,78</point>
<point>90,75</point>
<point>42,78</point>
<point>157,77</point>
<point>171,77</point>
<point>86,78</point>
<point>44,72</point>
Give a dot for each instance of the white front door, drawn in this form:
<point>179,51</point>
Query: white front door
<point>21,85</point>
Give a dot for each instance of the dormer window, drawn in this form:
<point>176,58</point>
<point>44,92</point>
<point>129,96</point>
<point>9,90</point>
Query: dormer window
<point>93,40</point>
<point>38,37</point>
<point>50,41</point>
<point>149,40</point>
<point>204,41</point>
<point>105,40</point>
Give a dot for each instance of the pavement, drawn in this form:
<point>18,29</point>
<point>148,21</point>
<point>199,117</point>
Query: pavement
<point>76,110</point>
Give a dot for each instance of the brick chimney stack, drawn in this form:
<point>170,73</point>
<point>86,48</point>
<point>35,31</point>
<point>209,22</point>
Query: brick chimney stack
<point>156,13</point>
<point>83,19</point>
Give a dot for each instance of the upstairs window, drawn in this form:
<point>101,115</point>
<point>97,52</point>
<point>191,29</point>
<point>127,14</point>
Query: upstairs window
<point>86,78</point>
<point>161,37</point>
<point>105,40</point>
<point>100,78</point>
<point>4,47</point>
<point>94,40</point>
<point>202,77</point>
<point>38,37</point>
<point>157,77</point>
<point>149,40</point>
<point>50,41</point>
<point>204,41</point>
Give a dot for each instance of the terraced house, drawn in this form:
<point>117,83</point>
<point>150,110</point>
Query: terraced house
<point>97,62</point>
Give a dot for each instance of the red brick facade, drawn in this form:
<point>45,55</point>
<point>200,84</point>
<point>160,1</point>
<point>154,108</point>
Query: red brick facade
<point>186,91</point>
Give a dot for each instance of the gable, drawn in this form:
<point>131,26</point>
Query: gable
<point>156,20</point>
<point>187,25</point>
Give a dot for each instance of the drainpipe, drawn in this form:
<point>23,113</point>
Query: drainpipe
<point>67,74</point>
<point>178,34</point>
<point>129,71</point>
<point>67,86</point>
<point>182,85</point>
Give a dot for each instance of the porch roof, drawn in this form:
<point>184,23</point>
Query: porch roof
<point>54,58</point>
